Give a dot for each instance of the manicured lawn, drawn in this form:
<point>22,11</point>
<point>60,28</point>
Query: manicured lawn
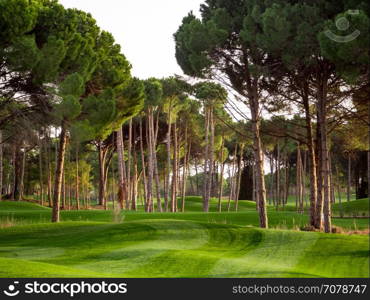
<point>174,248</point>
<point>26,213</point>
<point>354,208</point>
<point>96,243</point>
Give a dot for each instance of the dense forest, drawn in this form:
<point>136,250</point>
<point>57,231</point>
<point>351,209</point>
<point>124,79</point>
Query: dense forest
<point>270,110</point>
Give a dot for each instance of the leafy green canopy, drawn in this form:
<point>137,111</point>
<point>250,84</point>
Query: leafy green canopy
<point>62,52</point>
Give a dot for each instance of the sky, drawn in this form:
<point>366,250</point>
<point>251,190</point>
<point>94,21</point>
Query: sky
<point>143,28</point>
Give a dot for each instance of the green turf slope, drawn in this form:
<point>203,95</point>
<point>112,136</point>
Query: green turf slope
<point>175,248</point>
<point>21,213</point>
<point>357,207</point>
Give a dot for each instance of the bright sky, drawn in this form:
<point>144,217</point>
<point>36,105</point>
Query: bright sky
<point>144,29</point>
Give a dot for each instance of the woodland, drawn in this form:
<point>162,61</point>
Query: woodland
<point>253,163</point>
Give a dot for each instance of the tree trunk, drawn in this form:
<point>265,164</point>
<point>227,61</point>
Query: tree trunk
<point>332,185</point>
<point>258,153</point>
<point>206,162</point>
<point>21,181</point>
<point>174,172</point>
<point>64,191</point>
<point>298,180</point>
<point>77,180</point>
<point>232,178</point>
<point>319,202</point>
<point>339,194</point>
<point>304,168</point>
<point>47,151</point>
<point>278,198</point>
<point>168,169</point>
<point>122,193</point>
<point>59,174</point>
<point>349,179</point>
<point>149,142</point>
<point>128,177</point>
<point>324,156</point>
<point>271,200</point>
<point>211,155</point>
<point>17,163</point>
<point>254,198</point>
<point>186,154</point>
<point>285,192</point>
<point>1,165</point>
<point>368,153</point>
<point>196,177</point>
<point>239,177</point>
<point>102,175</point>
<point>312,160</point>
<point>135,185</point>
<point>154,133</point>
<point>143,164</point>
<point>221,181</point>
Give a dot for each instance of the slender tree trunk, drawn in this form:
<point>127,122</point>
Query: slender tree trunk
<point>221,181</point>
<point>324,156</point>
<point>298,180</point>
<point>168,168</point>
<point>21,180</point>
<point>332,184</point>
<point>102,175</point>
<point>368,152</point>
<point>239,177</point>
<point>64,191</point>
<point>77,180</point>
<point>59,174</point>
<point>174,172</point>
<point>143,164</point>
<point>254,198</point>
<point>113,189</point>
<point>69,184</point>
<point>135,186</point>
<point>278,198</point>
<point>319,202</point>
<point>339,194</point>
<point>187,150</point>
<point>150,161</point>
<point>312,159</point>
<point>232,178</point>
<point>154,133</point>
<point>349,179</point>
<point>196,177</point>
<point>129,190</point>
<point>122,193</point>
<point>304,168</point>
<point>285,193</point>
<point>258,153</point>
<point>47,151</point>
<point>206,162</point>
<point>211,155</point>
<point>272,200</point>
<point>1,165</point>
<point>17,165</point>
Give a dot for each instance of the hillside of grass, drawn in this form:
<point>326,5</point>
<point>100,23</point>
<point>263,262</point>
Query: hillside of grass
<point>177,248</point>
<point>14,213</point>
<point>353,208</point>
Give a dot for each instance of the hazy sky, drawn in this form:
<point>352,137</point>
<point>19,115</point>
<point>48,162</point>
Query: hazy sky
<point>144,29</point>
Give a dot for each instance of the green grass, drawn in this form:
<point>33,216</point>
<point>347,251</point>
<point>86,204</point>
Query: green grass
<point>357,207</point>
<point>174,248</point>
<point>89,243</point>
<point>14,213</point>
